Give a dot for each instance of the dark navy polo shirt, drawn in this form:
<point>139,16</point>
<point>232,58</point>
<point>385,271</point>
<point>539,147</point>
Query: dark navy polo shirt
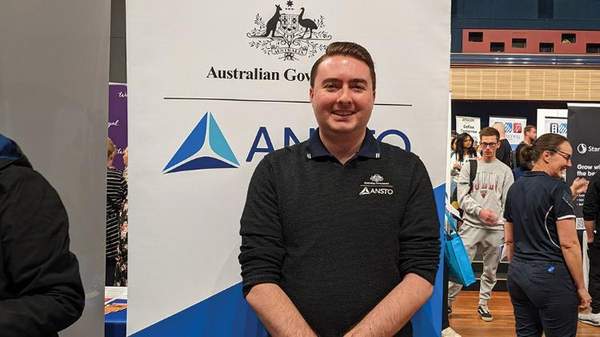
<point>534,204</point>
<point>338,238</point>
<point>369,148</point>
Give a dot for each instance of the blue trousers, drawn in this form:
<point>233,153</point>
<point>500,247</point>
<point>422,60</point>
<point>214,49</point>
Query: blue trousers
<point>544,299</point>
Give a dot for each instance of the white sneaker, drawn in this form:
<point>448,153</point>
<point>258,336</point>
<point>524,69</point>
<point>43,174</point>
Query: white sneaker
<point>449,332</point>
<point>484,313</point>
<point>591,319</point>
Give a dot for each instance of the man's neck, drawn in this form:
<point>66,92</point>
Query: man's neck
<point>488,160</point>
<point>343,147</point>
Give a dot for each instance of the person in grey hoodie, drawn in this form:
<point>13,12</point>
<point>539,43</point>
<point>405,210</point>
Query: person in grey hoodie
<point>482,201</point>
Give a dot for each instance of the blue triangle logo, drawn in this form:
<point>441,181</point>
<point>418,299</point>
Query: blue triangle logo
<point>204,148</point>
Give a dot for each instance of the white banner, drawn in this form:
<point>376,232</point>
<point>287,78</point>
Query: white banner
<point>213,87</point>
<point>513,126</point>
<point>552,121</point>
<point>470,125</point>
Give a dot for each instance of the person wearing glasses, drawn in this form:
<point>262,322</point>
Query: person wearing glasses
<point>545,277</point>
<point>482,200</point>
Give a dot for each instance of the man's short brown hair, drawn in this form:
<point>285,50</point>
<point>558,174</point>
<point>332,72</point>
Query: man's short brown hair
<point>528,128</point>
<point>350,49</point>
<point>489,131</point>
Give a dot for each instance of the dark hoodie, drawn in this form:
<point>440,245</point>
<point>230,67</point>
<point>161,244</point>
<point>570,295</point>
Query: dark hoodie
<point>40,287</point>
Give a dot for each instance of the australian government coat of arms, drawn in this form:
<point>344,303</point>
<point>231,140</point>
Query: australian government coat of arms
<point>289,33</point>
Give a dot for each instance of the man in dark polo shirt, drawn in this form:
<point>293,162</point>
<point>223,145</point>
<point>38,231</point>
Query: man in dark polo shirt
<point>591,216</point>
<point>529,135</point>
<point>339,233</point>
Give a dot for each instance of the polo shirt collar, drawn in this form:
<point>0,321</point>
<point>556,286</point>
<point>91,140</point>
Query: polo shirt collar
<point>368,149</point>
<point>535,173</point>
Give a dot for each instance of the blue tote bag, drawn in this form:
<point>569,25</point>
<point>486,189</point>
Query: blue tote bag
<point>457,259</point>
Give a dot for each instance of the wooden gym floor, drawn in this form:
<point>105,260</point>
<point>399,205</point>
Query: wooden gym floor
<point>466,322</point>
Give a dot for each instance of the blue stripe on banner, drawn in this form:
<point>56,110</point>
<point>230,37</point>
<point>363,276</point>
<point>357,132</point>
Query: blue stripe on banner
<point>227,314</point>
<point>427,322</point>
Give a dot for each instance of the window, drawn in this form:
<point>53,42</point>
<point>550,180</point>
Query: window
<point>546,47</point>
<point>519,43</point>
<point>568,38</point>
<point>475,36</point>
<point>592,48</point>
<point>497,47</point>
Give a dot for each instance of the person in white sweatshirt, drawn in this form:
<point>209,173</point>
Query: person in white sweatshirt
<point>482,201</point>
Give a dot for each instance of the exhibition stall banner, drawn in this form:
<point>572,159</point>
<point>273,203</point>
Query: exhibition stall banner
<point>556,125</point>
<point>215,87</point>
<point>584,120</point>
<point>552,121</point>
<point>513,128</point>
<point>117,120</point>
<point>470,125</point>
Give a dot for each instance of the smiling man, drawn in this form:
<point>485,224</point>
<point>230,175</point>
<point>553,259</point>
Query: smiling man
<point>482,196</point>
<point>340,235</point>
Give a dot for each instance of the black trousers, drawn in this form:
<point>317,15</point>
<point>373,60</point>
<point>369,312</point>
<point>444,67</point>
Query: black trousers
<point>544,298</point>
<point>111,263</point>
<point>445,322</point>
<point>594,280</point>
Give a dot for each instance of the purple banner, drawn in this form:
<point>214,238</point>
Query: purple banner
<point>117,120</point>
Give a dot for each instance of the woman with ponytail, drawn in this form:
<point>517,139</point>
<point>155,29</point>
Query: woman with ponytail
<point>545,277</point>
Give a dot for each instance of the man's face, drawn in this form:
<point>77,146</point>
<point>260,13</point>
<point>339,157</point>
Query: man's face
<point>489,145</point>
<point>342,96</point>
<point>531,134</point>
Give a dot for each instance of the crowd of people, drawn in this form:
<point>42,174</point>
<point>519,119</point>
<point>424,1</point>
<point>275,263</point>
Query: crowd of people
<point>517,205</point>
<point>116,218</point>
<point>375,254</point>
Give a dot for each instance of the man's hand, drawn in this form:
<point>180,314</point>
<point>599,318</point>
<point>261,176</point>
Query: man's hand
<point>277,312</point>
<point>578,187</point>
<point>488,216</point>
<point>589,230</point>
<point>392,313</point>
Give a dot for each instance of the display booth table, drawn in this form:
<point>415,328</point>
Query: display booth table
<point>115,318</point>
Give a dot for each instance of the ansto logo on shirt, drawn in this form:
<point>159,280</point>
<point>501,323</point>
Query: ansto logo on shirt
<point>376,185</point>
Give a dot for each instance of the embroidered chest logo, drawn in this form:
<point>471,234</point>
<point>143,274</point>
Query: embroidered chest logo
<point>376,185</point>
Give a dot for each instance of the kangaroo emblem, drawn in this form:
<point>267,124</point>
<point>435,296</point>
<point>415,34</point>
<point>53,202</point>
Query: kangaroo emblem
<point>287,34</point>
<point>273,21</point>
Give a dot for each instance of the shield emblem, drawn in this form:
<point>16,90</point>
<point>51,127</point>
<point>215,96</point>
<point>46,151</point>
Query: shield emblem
<point>289,24</point>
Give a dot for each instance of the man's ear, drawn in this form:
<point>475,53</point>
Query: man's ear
<point>311,93</point>
<point>374,95</point>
